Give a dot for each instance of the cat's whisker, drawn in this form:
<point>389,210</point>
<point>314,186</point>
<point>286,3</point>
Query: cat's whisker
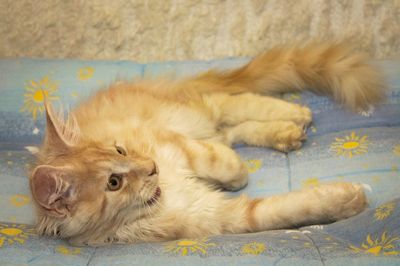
<point>148,210</point>
<point>139,211</point>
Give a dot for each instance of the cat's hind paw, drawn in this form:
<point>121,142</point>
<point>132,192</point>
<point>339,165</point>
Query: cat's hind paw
<point>291,137</point>
<point>343,199</point>
<point>354,200</point>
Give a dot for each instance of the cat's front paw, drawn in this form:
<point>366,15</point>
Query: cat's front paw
<point>238,182</point>
<point>290,137</point>
<point>235,185</point>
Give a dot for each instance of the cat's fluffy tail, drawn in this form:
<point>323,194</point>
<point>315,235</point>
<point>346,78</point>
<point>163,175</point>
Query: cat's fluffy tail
<point>325,69</point>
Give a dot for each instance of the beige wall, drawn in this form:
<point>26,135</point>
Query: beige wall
<point>190,29</point>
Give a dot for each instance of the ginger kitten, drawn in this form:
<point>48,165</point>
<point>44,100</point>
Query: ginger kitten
<point>133,162</point>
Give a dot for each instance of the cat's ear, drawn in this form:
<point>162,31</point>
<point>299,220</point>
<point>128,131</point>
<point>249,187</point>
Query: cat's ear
<point>52,190</point>
<point>60,135</point>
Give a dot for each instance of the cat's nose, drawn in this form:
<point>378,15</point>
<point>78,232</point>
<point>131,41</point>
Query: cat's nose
<point>154,170</point>
<point>145,168</point>
<point>150,169</point>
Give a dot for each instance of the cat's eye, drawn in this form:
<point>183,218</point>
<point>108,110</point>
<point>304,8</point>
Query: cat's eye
<point>114,182</point>
<point>120,150</point>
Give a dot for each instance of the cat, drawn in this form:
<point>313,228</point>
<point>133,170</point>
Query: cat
<point>148,161</point>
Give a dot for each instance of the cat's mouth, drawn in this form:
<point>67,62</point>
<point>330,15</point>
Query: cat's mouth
<point>155,197</point>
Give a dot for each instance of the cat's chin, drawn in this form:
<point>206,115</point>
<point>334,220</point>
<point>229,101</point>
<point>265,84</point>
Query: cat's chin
<point>154,199</point>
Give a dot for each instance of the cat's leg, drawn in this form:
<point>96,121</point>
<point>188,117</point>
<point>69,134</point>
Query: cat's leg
<point>213,162</point>
<point>235,109</point>
<point>281,135</point>
<point>217,163</point>
<point>322,204</point>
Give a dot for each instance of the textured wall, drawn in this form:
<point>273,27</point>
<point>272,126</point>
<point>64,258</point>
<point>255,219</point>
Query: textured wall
<point>190,29</point>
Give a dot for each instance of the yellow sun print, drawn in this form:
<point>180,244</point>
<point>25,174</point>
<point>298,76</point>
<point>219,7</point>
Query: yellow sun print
<point>311,182</point>
<point>85,73</point>
<point>68,250</point>
<point>350,145</point>
<point>396,150</point>
<point>384,211</point>
<point>313,129</point>
<point>74,94</point>
<point>253,248</point>
<point>293,97</point>
<point>307,244</point>
<point>383,246</point>
<point>19,200</point>
<point>185,246</point>
<point>253,165</point>
<point>35,94</point>
<point>14,233</point>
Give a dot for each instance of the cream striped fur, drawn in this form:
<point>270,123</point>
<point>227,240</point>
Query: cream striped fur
<point>145,161</point>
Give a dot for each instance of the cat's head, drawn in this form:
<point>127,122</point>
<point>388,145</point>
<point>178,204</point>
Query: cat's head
<point>84,189</point>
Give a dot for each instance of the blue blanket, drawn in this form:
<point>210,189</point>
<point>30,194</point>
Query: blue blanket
<point>358,147</point>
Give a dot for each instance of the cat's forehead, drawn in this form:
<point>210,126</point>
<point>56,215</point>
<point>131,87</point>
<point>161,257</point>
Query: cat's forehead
<point>98,160</point>
<point>95,161</point>
<point>90,154</point>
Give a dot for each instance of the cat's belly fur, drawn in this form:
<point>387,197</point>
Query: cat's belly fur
<point>186,197</point>
<point>192,203</point>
